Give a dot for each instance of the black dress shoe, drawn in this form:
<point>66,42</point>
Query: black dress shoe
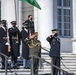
<point>24,67</point>
<point>27,67</point>
<point>14,67</point>
<point>9,67</point>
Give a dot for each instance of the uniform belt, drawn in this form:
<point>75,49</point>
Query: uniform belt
<point>14,37</point>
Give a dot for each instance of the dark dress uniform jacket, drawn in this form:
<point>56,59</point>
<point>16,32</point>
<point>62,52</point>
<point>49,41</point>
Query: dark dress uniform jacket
<point>55,46</point>
<point>3,47</point>
<point>25,48</point>
<point>55,53</point>
<point>30,25</point>
<point>14,42</point>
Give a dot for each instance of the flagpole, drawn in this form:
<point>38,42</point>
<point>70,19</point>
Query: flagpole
<point>16,17</point>
<point>15,12</point>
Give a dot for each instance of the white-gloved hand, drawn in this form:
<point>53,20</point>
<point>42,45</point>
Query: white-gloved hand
<point>7,43</point>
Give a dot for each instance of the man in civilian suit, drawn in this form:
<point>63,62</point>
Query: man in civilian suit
<point>30,25</point>
<point>25,47</point>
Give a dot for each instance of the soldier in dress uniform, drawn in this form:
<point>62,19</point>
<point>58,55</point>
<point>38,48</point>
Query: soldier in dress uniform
<point>35,49</point>
<point>14,37</point>
<point>25,47</point>
<point>3,41</point>
<point>54,42</point>
<point>30,25</point>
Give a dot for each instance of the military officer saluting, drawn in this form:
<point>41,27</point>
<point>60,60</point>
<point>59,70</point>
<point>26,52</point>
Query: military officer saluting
<point>54,42</point>
<point>14,37</point>
<point>35,49</point>
<point>3,41</point>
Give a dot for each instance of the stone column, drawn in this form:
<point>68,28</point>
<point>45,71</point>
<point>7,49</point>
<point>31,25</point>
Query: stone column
<point>74,26</point>
<point>45,21</point>
<point>8,11</point>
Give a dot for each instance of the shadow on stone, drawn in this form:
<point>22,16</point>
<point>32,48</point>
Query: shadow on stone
<point>66,73</point>
<point>46,74</point>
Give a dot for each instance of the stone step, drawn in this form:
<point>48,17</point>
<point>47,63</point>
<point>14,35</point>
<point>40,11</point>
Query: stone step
<point>68,53</point>
<point>69,67</point>
<point>68,64</point>
<point>68,70</point>
<point>68,59</point>
<point>25,71</point>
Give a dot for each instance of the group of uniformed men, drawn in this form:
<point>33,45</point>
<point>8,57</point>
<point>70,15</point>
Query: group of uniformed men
<point>30,45</point>
<point>9,43</point>
<point>10,40</point>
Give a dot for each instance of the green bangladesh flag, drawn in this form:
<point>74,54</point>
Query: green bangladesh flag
<point>32,2</point>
